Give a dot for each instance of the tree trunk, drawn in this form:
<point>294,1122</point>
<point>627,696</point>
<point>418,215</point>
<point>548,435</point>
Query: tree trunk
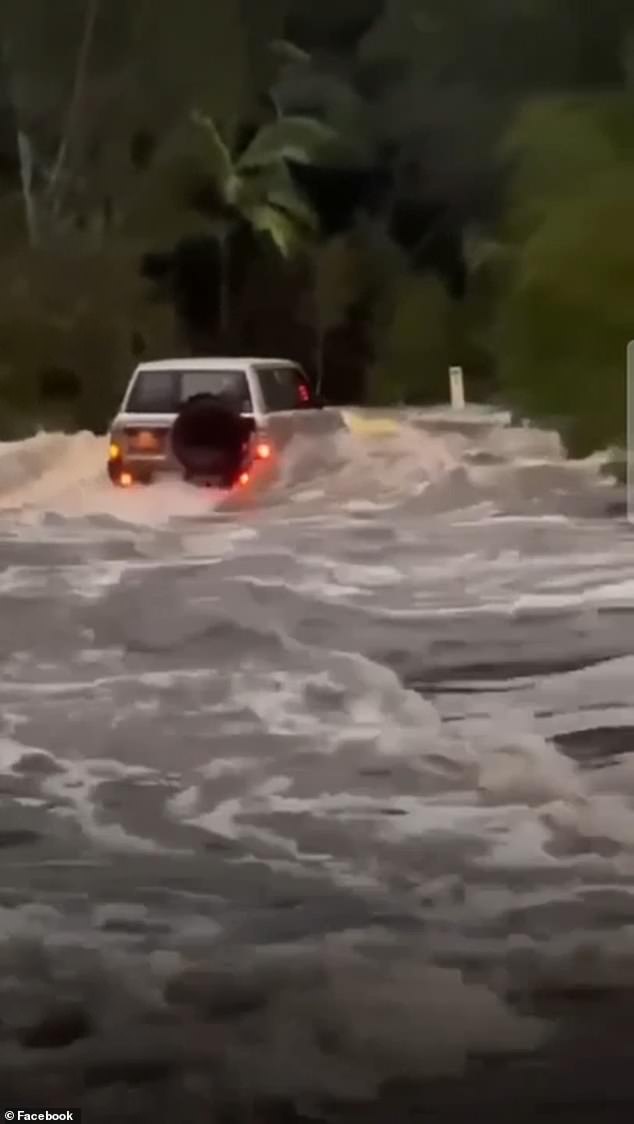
<point>26,178</point>
<point>24,150</point>
<point>56,186</point>
<point>224,310</point>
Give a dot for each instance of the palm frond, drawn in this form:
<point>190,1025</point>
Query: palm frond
<point>301,139</point>
<point>289,203</point>
<point>289,52</point>
<point>220,165</point>
<point>286,234</point>
<point>274,184</point>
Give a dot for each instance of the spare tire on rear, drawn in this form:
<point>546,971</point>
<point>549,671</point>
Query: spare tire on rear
<point>208,439</point>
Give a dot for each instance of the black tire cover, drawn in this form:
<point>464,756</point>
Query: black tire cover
<point>208,437</point>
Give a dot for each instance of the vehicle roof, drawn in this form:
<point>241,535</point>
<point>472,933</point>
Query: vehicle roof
<point>217,363</point>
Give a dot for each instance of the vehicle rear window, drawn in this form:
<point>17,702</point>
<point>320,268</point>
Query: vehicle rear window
<point>165,391</point>
<point>284,388</point>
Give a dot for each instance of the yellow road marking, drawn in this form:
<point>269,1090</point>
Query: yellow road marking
<point>370,427</point>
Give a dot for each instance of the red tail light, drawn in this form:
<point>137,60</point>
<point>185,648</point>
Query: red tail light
<point>303,393</point>
<point>263,451</point>
<point>243,478</point>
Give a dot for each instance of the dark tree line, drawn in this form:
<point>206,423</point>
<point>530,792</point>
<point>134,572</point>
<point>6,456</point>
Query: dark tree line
<point>377,188</point>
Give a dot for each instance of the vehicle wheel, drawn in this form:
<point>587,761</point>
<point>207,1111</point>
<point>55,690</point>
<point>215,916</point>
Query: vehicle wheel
<point>208,438</point>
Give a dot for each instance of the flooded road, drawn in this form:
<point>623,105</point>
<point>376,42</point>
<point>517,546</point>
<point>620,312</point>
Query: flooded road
<point>320,804</point>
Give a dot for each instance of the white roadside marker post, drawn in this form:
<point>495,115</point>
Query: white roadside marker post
<point>456,388</point>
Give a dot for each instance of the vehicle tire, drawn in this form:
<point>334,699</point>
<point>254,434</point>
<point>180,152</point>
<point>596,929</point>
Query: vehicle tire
<point>208,439</point>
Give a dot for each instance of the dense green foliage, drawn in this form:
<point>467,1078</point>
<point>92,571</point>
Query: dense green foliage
<point>379,188</point>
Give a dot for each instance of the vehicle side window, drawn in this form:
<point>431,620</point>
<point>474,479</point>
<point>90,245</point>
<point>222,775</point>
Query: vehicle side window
<point>284,388</point>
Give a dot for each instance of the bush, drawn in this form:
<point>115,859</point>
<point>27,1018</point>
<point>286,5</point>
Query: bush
<point>568,317</point>
<point>70,329</point>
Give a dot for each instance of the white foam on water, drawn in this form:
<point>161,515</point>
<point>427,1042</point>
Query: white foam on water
<point>244,782</point>
<point>66,475</point>
<point>396,1019</point>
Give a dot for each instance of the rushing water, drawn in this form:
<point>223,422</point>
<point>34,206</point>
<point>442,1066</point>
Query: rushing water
<point>321,801</point>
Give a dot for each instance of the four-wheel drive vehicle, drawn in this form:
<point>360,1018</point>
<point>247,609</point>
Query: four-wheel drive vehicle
<point>211,420</point>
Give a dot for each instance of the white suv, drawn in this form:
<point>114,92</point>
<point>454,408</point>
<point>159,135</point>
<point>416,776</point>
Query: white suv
<point>210,420</point>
